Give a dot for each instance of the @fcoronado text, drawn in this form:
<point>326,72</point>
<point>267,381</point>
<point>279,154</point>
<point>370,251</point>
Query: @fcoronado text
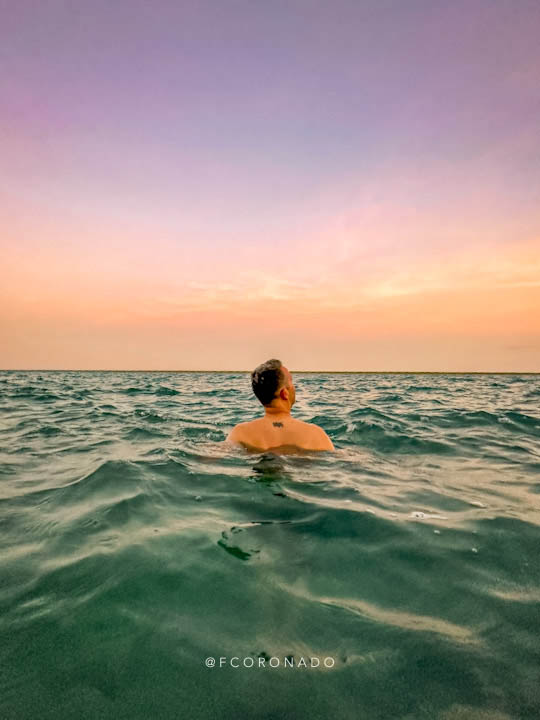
<point>274,662</point>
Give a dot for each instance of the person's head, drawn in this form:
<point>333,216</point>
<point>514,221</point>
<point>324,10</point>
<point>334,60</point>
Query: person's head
<point>272,383</point>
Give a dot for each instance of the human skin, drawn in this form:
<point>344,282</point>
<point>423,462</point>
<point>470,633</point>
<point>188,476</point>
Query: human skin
<point>277,429</point>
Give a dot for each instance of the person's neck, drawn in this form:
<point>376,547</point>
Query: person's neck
<point>276,411</point>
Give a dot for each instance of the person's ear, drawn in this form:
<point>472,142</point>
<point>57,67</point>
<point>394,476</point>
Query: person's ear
<point>284,394</point>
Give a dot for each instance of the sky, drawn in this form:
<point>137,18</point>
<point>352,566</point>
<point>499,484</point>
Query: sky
<point>345,185</point>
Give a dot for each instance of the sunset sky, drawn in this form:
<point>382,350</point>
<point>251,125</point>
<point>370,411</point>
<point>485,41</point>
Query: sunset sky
<point>344,185</point>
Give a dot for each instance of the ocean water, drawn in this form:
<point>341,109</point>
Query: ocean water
<point>135,544</point>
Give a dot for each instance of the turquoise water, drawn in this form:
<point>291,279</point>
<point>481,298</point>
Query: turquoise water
<point>135,545</point>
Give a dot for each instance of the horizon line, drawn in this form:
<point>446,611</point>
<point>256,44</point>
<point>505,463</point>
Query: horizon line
<point>325,372</point>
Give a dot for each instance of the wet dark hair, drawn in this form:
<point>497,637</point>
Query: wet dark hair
<point>266,379</point>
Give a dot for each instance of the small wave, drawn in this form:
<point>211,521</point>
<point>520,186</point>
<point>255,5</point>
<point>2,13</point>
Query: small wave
<point>369,412</point>
<point>140,433</point>
<point>331,424</point>
<point>34,393</point>
<point>388,397</point>
<point>521,422</point>
<point>203,432</point>
<point>149,416</point>
<point>375,437</point>
<point>49,430</point>
<point>28,422</point>
<point>162,390</point>
<point>112,482</point>
<point>219,392</point>
<point>461,418</point>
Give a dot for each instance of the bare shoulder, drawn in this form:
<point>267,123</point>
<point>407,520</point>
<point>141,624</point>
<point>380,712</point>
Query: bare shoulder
<point>240,432</point>
<point>320,437</point>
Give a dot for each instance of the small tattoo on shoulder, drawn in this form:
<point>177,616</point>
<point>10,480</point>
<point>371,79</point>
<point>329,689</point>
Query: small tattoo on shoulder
<point>277,424</point>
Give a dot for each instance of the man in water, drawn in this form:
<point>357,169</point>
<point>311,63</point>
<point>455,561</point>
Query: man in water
<point>273,385</point>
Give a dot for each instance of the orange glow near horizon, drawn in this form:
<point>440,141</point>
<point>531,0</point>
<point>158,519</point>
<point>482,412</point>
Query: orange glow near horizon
<point>485,299</point>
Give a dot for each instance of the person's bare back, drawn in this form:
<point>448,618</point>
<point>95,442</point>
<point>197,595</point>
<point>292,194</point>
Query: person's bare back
<point>277,430</point>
